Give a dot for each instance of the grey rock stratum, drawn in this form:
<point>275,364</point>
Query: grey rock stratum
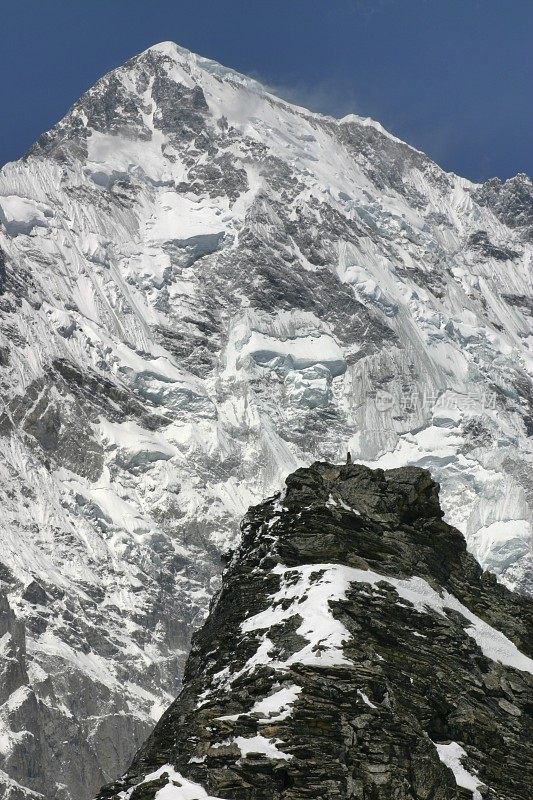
<point>355,651</point>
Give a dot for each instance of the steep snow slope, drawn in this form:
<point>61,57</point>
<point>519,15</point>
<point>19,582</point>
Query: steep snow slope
<point>202,287</point>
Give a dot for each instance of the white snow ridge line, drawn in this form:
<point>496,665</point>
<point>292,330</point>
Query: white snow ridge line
<point>177,788</point>
<point>325,634</point>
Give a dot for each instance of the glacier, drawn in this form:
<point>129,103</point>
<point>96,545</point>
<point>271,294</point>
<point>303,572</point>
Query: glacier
<point>203,287</point>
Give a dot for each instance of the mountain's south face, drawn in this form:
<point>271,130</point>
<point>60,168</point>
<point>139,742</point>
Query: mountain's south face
<point>355,651</point>
<point>201,288</point>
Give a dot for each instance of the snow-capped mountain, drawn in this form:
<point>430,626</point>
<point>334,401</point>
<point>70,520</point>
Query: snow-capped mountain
<point>355,651</point>
<point>201,288</point>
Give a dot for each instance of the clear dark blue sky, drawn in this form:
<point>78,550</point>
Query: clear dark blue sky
<point>452,77</point>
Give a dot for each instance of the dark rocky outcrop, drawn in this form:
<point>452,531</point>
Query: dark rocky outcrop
<point>510,200</point>
<point>480,241</point>
<point>354,650</point>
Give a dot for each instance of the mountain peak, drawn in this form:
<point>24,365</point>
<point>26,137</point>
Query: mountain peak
<point>120,102</point>
<point>347,655</point>
<point>198,63</point>
<point>167,48</point>
<point>203,287</point>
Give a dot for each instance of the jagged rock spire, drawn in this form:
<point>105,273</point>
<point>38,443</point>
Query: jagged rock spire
<point>355,651</point>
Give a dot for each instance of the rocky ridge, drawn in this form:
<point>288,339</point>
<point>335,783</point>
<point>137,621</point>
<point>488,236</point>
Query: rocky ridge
<point>201,288</point>
<point>355,650</point>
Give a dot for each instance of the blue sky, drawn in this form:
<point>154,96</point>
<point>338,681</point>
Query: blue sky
<point>452,77</point>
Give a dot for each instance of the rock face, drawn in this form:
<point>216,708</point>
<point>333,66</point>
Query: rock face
<point>203,287</point>
<point>34,724</point>
<point>355,650</point>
